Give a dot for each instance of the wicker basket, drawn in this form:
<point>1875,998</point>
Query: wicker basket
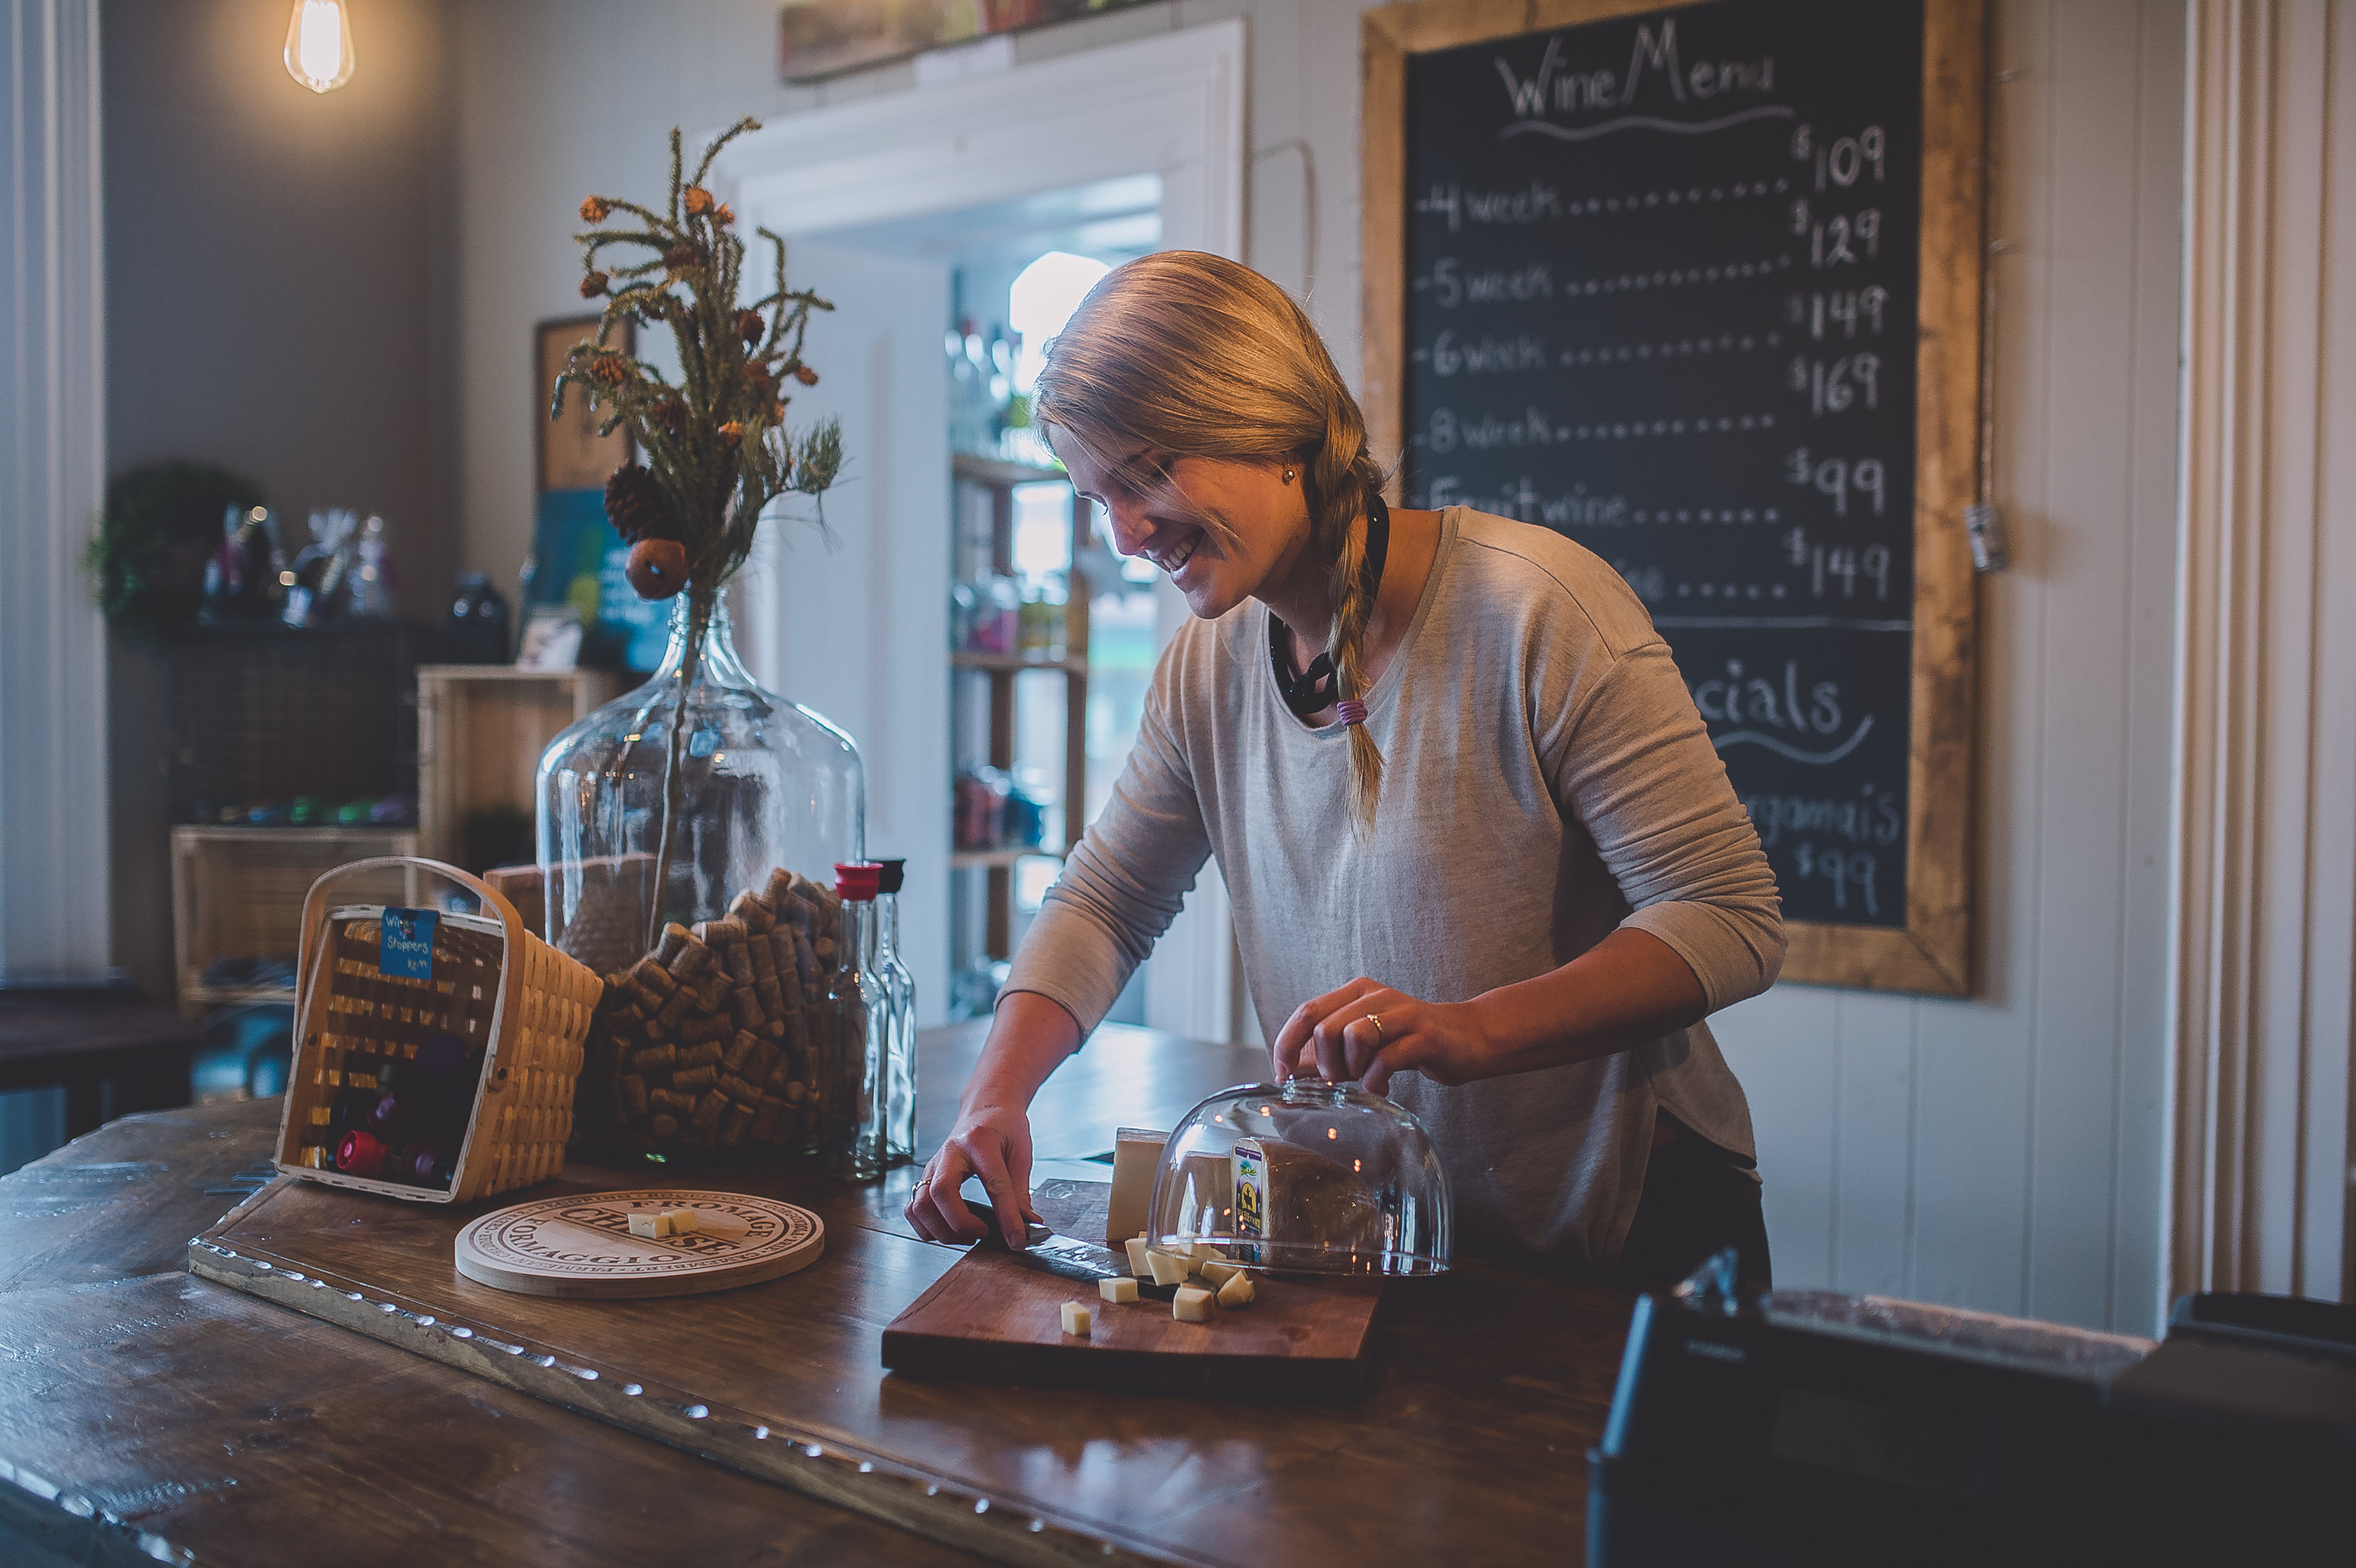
<point>494,982</point>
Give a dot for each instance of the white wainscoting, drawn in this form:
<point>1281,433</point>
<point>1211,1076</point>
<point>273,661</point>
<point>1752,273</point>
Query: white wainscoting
<point>53,804</point>
<point>2008,1151</point>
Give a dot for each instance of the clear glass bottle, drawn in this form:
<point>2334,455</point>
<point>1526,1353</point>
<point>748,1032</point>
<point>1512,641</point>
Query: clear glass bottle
<point>900,989</point>
<point>854,1076</point>
<point>761,783</point>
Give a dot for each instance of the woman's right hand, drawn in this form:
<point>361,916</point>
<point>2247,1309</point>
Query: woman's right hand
<point>1029,1035</point>
<point>991,1141</point>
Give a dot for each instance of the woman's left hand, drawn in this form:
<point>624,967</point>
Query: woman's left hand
<point>1367,1031</point>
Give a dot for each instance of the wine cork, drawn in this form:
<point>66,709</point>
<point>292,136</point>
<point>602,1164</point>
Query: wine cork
<point>765,1118</point>
<point>708,1110</point>
<point>704,1053</point>
<point>780,888</point>
<point>654,977</point>
<point>634,1094</point>
<point>795,1091</point>
<point>670,1101</point>
<point>745,1005</point>
<point>703,1027</point>
<point>654,1059</point>
<point>713,996</point>
<point>691,1079</point>
<point>763,1059</point>
<point>675,938</point>
<point>748,910</point>
<point>739,1049</point>
<point>694,959</point>
<point>738,1089</point>
<point>674,1009</point>
<point>738,1121</point>
<point>664,1126</point>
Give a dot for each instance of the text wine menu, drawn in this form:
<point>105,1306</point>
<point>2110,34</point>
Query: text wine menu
<point>1662,297</point>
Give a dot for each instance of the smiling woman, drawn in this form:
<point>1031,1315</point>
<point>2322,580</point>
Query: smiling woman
<point>1443,752</point>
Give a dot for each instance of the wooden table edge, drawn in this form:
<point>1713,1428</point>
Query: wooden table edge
<point>817,1461</point>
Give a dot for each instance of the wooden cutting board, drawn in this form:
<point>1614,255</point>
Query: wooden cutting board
<point>993,1318</point>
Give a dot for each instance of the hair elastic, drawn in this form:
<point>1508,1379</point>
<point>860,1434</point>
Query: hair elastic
<point>1350,711</point>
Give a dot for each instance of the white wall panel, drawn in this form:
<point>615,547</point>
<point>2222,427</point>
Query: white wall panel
<point>2006,1151</point>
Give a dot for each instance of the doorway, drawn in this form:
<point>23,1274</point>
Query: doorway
<point>915,213</point>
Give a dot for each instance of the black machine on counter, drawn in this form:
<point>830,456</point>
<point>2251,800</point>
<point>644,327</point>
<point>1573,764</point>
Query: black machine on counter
<point>1802,1426</point>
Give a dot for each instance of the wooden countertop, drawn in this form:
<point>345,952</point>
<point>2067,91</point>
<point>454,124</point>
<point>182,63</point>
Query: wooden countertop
<point>136,1401</point>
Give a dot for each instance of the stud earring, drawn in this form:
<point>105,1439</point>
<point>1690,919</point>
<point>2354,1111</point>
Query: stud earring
<point>1287,475</point>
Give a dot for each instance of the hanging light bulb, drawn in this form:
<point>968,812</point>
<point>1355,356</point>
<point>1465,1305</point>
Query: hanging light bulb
<point>319,44</point>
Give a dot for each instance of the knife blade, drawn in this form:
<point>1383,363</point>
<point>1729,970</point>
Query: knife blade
<point>1065,1256</point>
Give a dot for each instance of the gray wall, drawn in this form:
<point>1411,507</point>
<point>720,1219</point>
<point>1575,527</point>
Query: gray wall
<point>278,284</point>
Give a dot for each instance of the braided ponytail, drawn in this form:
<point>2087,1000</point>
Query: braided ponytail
<point>1339,475</point>
<point>1196,355</point>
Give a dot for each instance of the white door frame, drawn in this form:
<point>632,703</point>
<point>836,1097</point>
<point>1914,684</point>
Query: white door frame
<point>1171,105</point>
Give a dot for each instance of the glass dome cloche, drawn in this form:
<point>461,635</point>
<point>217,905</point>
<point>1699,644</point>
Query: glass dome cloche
<point>763,783</point>
<point>1309,1176</point>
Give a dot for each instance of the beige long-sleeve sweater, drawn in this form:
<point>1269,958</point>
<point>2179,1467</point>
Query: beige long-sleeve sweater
<point>1546,780</point>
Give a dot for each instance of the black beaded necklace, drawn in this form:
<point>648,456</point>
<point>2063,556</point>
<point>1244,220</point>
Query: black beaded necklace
<point>1314,689</point>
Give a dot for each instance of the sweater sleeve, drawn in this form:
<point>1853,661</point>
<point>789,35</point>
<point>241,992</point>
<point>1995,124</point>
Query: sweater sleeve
<point>1123,883</point>
<point>1637,770</point>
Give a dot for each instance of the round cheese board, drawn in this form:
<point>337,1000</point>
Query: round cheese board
<point>583,1244</point>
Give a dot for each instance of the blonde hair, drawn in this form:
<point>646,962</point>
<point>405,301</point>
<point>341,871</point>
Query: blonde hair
<point>1182,354</point>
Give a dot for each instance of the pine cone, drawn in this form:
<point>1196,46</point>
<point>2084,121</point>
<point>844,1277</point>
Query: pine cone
<point>804,375</point>
<point>678,258</point>
<point>593,284</point>
<point>611,368</point>
<point>749,326</point>
<point>635,505</point>
<point>671,414</point>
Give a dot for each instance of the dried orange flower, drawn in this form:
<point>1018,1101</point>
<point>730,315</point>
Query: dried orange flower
<point>699,201</point>
<point>593,284</point>
<point>804,375</point>
<point>595,209</point>
<point>734,430</point>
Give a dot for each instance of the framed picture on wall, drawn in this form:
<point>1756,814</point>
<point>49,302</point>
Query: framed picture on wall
<point>572,455</point>
<point>818,39</point>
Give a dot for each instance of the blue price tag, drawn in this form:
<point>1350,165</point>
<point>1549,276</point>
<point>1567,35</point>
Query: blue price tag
<point>408,947</point>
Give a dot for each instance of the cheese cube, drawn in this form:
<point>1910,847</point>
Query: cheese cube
<point>1166,1269</point>
<point>1118,1291</point>
<point>1078,1319</point>
<point>681,1222</point>
<point>1236,1292</point>
<point>1191,1304</point>
<point>646,1224</point>
<point>1137,1255</point>
<point>1218,1273</point>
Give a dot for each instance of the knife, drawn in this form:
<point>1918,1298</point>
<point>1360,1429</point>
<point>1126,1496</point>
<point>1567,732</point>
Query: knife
<point>1065,1256</point>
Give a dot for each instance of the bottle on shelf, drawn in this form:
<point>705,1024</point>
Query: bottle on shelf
<point>900,988</point>
<point>854,1094</point>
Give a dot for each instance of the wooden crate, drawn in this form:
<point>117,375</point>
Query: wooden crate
<point>237,891</point>
<point>480,731</point>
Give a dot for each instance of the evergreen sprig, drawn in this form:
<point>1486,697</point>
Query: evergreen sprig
<point>717,443</point>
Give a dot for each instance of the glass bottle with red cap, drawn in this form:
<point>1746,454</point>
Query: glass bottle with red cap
<point>900,984</point>
<point>854,1096</point>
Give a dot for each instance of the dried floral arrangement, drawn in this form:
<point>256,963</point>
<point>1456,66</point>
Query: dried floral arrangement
<point>717,452</point>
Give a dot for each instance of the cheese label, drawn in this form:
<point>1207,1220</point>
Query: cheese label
<point>406,950</point>
<point>1251,1197</point>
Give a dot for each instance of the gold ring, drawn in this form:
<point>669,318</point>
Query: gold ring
<point>1377,1023</point>
<point>924,1181</point>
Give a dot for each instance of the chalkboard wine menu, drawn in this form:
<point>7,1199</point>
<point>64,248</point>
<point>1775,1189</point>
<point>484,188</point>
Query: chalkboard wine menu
<point>1698,288</point>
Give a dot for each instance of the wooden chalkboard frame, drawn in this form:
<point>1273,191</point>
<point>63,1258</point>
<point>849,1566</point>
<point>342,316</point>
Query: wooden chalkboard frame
<point>1932,953</point>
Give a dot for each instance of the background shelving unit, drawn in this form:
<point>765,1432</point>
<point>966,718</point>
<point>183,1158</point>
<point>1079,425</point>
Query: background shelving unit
<point>237,891</point>
<point>480,731</point>
<point>999,480</point>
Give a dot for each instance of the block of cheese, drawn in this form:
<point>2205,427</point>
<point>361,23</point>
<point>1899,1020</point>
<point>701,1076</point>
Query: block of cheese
<point>1218,1273</point>
<point>1117,1291</point>
<point>647,1224</point>
<point>1138,1253</point>
<point>680,1221</point>
<point>1136,1154</point>
<point>1238,1291</point>
<point>1077,1317</point>
<point>1167,1269</point>
<point>1191,1304</point>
